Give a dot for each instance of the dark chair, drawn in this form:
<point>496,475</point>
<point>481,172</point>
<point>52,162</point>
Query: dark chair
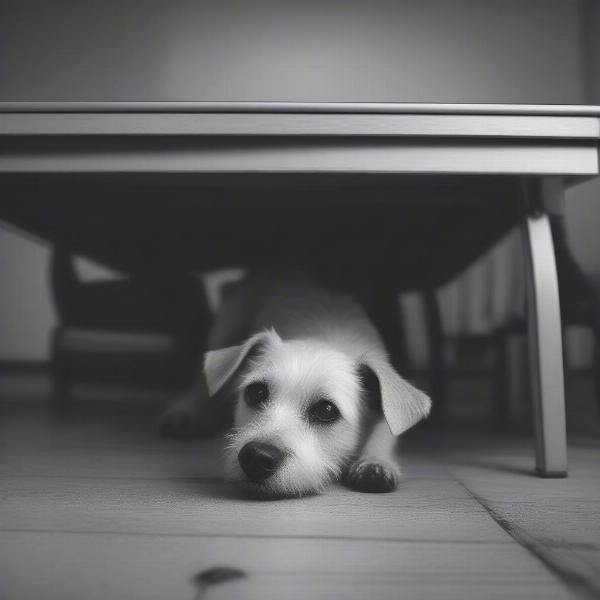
<point>143,329</point>
<point>579,304</point>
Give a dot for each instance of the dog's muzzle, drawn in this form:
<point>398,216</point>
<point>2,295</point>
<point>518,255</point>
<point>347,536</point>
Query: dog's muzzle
<point>259,461</point>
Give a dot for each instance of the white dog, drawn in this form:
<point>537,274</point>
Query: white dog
<point>307,379</point>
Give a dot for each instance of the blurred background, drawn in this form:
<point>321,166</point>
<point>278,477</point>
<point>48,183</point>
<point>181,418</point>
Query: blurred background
<point>473,51</point>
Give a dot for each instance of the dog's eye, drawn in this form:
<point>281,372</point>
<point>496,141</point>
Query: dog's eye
<point>323,411</point>
<point>256,394</point>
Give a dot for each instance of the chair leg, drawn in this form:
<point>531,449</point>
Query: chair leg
<point>61,387</point>
<point>500,380</point>
<point>61,381</point>
<point>545,347</point>
<point>596,365</point>
<point>435,342</point>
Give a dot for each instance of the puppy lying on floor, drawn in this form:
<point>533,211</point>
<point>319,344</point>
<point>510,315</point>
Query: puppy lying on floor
<point>306,378</point>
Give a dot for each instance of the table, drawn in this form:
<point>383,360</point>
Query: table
<point>498,156</point>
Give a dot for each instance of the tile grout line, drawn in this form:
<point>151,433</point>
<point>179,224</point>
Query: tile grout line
<point>571,577</point>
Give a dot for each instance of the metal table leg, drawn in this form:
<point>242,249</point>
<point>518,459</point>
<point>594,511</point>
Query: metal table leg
<point>545,332</point>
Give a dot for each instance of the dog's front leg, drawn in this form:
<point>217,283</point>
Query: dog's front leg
<point>376,469</point>
<point>195,414</point>
<point>180,419</point>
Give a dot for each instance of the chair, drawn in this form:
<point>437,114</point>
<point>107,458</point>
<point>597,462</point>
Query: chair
<point>129,329</point>
<point>579,303</point>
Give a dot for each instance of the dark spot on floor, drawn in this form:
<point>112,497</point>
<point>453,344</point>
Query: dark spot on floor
<point>218,575</point>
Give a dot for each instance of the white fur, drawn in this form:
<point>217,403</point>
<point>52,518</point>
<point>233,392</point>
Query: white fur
<point>298,372</point>
<point>310,344</point>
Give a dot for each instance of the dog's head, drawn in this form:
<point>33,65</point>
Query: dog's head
<point>303,408</point>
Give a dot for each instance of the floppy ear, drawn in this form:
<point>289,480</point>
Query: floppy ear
<point>403,405</point>
<point>220,365</point>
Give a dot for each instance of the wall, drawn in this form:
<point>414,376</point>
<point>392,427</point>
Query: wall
<point>583,208</point>
<point>382,50</point>
<point>26,313</point>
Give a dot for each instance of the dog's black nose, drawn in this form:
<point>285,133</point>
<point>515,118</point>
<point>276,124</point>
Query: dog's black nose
<point>259,461</point>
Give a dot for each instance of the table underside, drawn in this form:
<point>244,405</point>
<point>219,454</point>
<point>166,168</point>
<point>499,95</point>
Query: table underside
<point>352,189</point>
<point>351,229</point>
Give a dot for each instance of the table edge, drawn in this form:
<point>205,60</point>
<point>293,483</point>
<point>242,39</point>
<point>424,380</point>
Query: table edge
<point>302,107</point>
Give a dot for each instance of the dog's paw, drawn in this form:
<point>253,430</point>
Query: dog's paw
<point>372,476</point>
<point>179,420</point>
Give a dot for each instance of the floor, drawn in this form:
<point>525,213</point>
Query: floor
<point>96,505</point>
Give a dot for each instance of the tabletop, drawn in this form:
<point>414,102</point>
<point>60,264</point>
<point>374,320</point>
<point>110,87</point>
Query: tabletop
<point>300,137</point>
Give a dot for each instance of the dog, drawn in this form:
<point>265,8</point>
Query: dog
<point>302,376</point>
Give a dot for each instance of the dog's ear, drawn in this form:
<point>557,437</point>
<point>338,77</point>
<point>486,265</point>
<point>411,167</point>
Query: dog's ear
<point>403,405</point>
<point>220,365</point>
<point>370,388</point>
